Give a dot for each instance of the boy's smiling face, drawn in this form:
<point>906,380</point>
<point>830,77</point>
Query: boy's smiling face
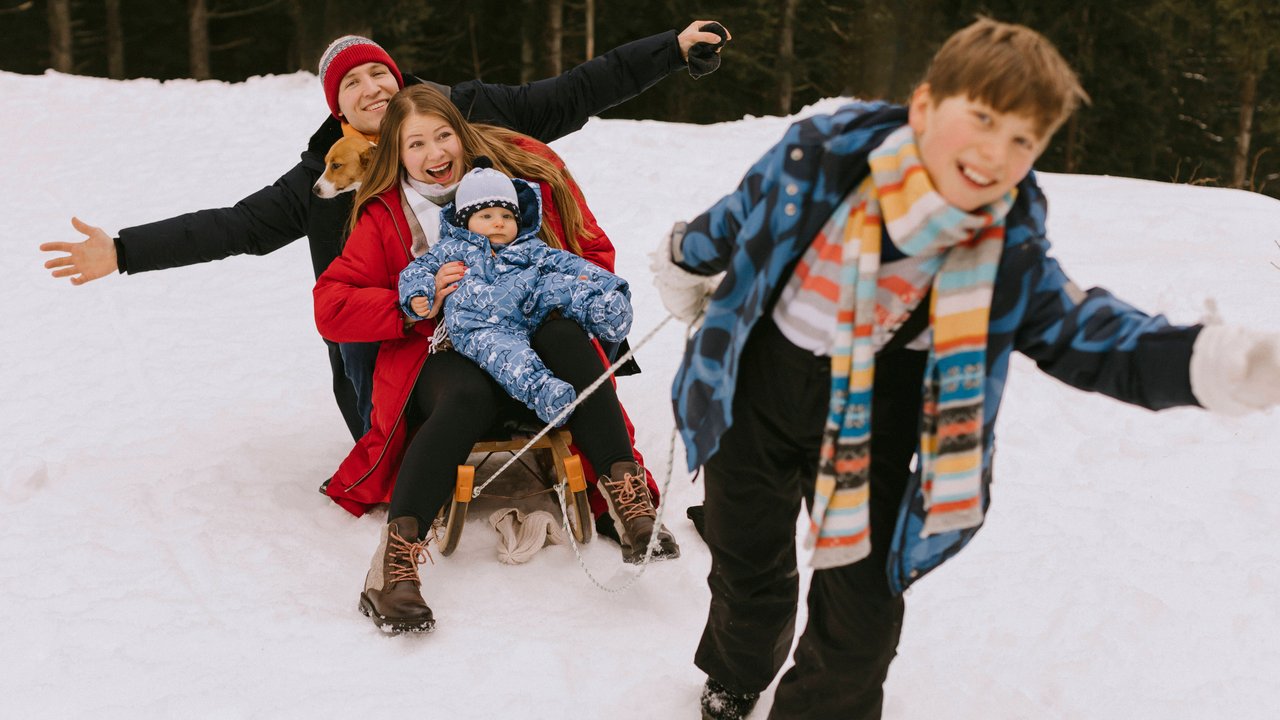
<point>973,153</point>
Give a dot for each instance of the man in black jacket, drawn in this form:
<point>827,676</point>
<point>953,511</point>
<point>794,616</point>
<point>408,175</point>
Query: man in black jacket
<point>288,209</point>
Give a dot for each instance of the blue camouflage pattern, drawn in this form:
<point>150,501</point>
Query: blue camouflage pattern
<point>756,234</point>
<point>507,293</point>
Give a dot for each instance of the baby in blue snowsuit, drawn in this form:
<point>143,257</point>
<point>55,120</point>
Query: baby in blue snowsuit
<point>513,280</point>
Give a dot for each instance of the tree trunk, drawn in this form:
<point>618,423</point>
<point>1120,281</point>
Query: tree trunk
<point>1244,136</point>
<point>1070,146</point>
<point>314,29</point>
<point>1084,66</point>
<point>347,17</point>
<point>60,57</point>
<point>475,51</point>
<point>115,41</point>
<point>590,30</point>
<point>879,52</point>
<point>555,37</point>
<point>198,29</point>
<point>787,56</point>
<point>528,70</point>
<point>309,40</point>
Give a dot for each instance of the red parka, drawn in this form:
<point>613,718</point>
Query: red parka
<point>357,300</point>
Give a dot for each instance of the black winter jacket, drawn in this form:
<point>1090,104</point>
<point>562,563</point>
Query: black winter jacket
<point>287,210</point>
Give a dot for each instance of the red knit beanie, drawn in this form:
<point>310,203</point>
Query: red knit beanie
<point>345,53</point>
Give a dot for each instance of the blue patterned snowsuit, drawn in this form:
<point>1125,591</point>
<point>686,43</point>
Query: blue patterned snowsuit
<point>506,295</point>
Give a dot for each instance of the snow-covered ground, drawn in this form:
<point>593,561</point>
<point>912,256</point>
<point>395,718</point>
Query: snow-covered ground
<point>165,552</point>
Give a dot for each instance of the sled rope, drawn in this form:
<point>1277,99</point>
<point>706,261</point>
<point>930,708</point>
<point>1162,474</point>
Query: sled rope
<point>576,402</point>
<point>653,539</point>
<point>560,487</point>
<point>662,506</point>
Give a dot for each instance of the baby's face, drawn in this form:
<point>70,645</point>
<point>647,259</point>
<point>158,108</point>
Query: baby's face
<point>496,223</point>
<point>973,153</point>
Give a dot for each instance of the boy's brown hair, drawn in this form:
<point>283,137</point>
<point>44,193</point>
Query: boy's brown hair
<point>1012,68</point>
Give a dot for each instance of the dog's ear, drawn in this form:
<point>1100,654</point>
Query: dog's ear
<point>366,155</point>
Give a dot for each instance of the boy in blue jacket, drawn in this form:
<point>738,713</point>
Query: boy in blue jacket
<point>881,264</point>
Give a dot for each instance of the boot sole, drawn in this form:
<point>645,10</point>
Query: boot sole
<point>659,554</point>
<point>394,626</point>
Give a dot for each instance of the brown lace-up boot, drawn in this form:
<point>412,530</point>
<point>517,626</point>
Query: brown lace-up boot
<point>392,597</point>
<point>633,516</point>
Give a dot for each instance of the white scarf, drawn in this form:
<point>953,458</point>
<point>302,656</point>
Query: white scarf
<point>426,200</point>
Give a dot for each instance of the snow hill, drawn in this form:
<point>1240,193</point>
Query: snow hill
<point>165,552</point>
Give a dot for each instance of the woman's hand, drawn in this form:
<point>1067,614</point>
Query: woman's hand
<point>692,35</point>
<point>446,282</point>
<point>90,259</point>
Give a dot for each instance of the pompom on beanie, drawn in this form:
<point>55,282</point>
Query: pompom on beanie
<point>345,53</point>
<point>482,188</point>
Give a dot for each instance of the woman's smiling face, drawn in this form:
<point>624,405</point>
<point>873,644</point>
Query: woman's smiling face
<point>430,150</point>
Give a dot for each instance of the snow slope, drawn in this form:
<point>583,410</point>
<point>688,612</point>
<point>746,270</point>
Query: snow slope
<point>165,552</point>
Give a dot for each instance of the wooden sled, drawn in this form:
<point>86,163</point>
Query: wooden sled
<point>558,465</point>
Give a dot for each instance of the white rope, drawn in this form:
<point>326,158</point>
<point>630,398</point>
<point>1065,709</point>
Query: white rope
<point>653,538</point>
<point>577,401</point>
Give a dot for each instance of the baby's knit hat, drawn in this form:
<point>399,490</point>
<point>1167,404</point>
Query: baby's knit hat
<point>345,53</point>
<point>481,188</point>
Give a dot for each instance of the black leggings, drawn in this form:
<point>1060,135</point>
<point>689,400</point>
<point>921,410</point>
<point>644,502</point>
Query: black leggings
<point>457,403</point>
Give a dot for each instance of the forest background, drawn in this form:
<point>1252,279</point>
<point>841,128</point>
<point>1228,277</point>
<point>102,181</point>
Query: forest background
<point>1182,90</point>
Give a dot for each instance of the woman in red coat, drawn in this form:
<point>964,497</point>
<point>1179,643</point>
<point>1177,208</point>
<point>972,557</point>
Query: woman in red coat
<point>430,407</point>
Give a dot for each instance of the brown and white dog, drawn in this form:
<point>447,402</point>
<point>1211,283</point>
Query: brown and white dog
<point>344,167</point>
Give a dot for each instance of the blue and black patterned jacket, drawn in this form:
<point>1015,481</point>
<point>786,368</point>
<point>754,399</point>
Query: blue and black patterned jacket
<point>756,234</point>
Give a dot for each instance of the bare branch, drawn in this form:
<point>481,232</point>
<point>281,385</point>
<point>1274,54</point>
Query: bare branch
<point>17,8</point>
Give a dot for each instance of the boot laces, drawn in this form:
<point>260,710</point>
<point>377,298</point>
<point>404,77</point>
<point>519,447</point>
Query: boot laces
<point>407,556</point>
<point>626,496</point>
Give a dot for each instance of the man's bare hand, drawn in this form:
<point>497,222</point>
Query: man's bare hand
<point>87,260</point>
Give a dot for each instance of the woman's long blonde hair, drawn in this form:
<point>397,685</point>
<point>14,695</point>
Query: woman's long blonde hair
<point>476,139</point>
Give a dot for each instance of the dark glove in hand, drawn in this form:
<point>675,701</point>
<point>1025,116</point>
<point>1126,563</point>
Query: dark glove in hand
<point>704,58</point>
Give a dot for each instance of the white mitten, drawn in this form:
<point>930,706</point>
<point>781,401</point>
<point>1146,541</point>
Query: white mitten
<point>1235,370</point>
<point>683,293</point>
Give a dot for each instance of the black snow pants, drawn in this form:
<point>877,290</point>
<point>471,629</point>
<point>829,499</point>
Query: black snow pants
<point>765,465</point>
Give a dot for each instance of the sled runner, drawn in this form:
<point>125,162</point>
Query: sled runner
<point>557,465</point>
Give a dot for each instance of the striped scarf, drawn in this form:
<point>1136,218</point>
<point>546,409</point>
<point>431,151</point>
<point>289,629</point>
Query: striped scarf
<point>965,249</point>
